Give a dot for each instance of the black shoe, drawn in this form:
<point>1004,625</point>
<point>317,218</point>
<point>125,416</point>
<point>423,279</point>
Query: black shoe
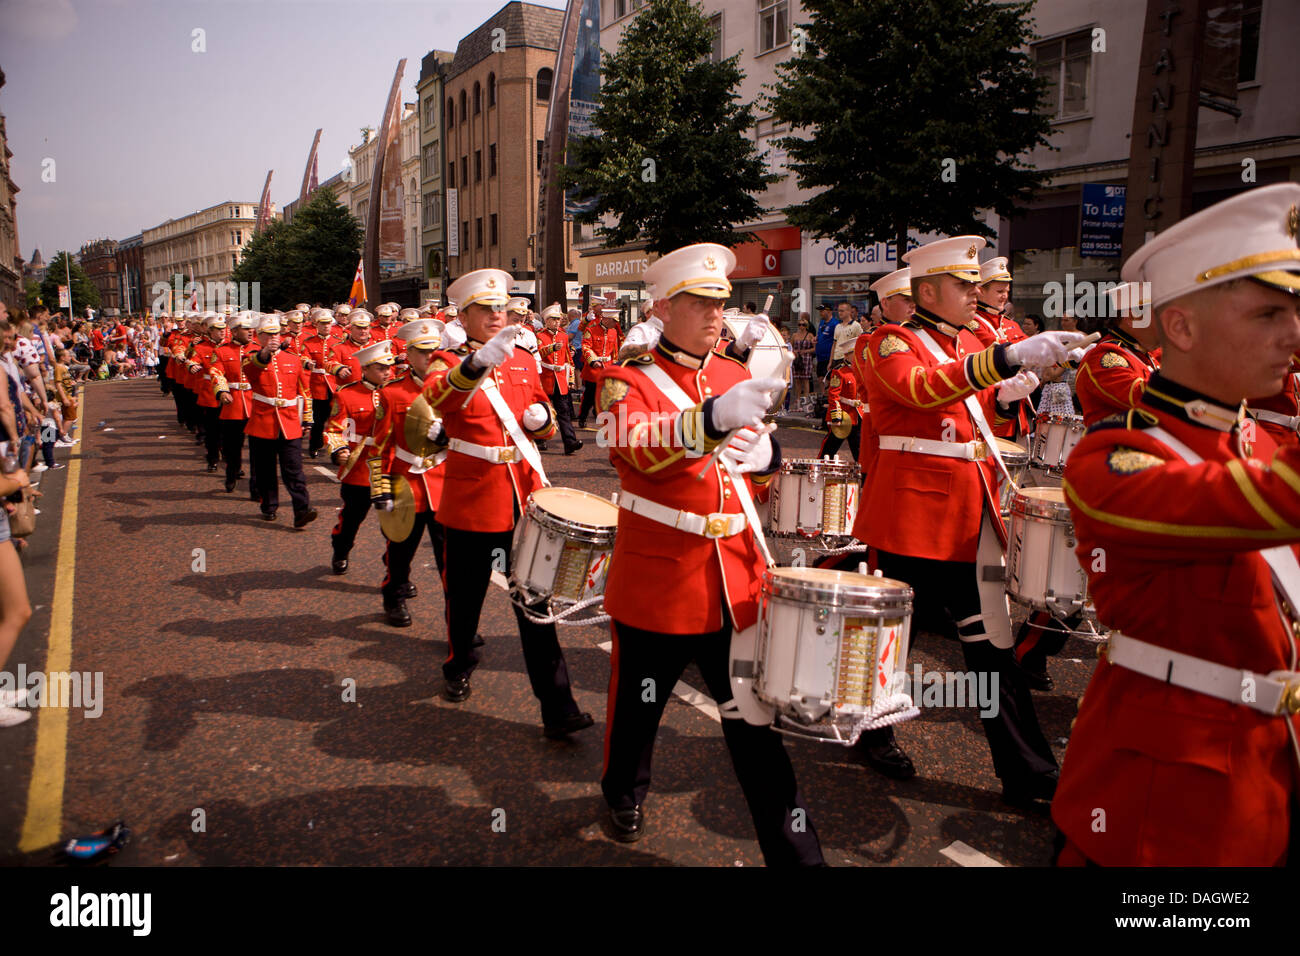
<point>396,614</point>
<point>407,590</point>
<point>340,566</point>
<point>457,690</point>
<point>1037,676</point>
<point>212,466</point>
<point>889,759</point>
<point>628,825</point>
<point>570,725</point>
<point>230,486</point>
<point>1023,793</point>
<point>573,448</point>
<point>541,445</point>
<point>314,453</point>
<point>268,515</point>
<point>242,473</point>
<point>303,518</point>
<point>478,641</point>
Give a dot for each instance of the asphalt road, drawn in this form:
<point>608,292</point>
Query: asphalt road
<point>227,734</point>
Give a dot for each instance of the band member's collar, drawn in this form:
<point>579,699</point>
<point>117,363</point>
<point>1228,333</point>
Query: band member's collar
<point>988,312</point>
<point>929,320</point>
<point>1127,340</point>
<point>1190,405</point>
<point>679,355</point>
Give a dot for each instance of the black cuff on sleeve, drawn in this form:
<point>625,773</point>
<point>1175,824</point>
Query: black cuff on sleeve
<point>1000,363</point>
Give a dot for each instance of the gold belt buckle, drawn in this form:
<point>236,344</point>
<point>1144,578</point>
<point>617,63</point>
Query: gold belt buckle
<point>981,449</point>
<point>1291,698</point>
<point>506,456</point>
<point>717,525</point>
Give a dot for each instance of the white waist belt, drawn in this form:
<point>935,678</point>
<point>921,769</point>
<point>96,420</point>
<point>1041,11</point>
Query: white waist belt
<point>1277,418</point>
<point>277,402</point>
<point>319,371</point>
<point>418,465</point>
<point>1276,693</point>
<point>967,450</point>
<point>239,386</point>
<point>715,525</point>
<point>496,454</point>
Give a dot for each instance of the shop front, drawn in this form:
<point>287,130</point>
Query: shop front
<point>614,280</point>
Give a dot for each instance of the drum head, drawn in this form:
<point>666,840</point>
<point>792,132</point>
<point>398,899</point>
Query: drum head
<point>1053,495</point>
<point>577,507</point>
<point>1010,449</point>
<point>827,577</point>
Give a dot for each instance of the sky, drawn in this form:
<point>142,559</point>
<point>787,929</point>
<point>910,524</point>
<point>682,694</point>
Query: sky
<point>141,127</point>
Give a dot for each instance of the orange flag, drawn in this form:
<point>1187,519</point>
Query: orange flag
<point>358,294</point>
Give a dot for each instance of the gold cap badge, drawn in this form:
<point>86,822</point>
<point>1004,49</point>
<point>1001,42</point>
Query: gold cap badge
<point>710,263</point>
<point>1293,222</point>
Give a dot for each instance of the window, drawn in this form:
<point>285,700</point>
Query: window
<point>451,112</point>
<point>492,160</point>
<point>478,233</point>
<point>1065,63</point>
<point>541,144</point>
<point>478,98</point>
<point>464,170</point>
<point>429,161</point>
<point>715,24</point>
<point>773,24</point>
<point>544,76</point>
<point>429,211</point>
<point>464,234</point>
<point>492,89</point>
<point>234,260</point>
<point>492,228</point>
<point>451,175</point>
<point>1246,69</point>
<point>478,165</point>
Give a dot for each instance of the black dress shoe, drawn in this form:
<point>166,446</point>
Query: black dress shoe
<point>230,486</point>
<point>340,566</point>
<point>457,690</point>
<point>628,825</point>
<point>303,518</point>
<point>212,466</point>
<point>397,615</point>
<point>1024,792</point>
<point>268,515</point>
<point>889,759</point>
<point>573,448</point>
<point>407,590</point>
<point>571,724</point>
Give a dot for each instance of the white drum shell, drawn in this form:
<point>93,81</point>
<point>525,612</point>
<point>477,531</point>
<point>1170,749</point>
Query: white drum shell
<point>805,498</point>
<point>544,545</point>
<point>1042,570</point>
<point>1054,438</point>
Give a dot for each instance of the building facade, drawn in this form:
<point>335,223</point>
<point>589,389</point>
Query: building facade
<point>130,274</point>
<point>433,249</point>
<point>12,290</point>
<point>204,246</point>
<point>98,259</point>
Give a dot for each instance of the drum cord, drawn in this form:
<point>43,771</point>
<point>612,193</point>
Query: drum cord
<point>884,713</point>
<point>847,549</point>
<point>561,618</point>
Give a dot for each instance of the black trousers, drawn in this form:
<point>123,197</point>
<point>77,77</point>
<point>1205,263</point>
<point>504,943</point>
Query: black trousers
<point>468,558</point>
<point>356,503</point>
<point>185,402</point>
<point>264,454</point>
<point>588,404</point>
<point>320,410</point>
<point>164,380</point>
<point>831,444</point>
<point>398,555</point>
<point>784,827</point>
<point>563,405</point>
<point>212,433</point>
<point>232,450</point>
<point>950,588</point>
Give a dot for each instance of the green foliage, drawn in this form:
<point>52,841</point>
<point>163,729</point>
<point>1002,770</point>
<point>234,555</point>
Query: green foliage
<point>879,94</point>
<point>33,290</point>
<point>673,163</point>
<point>311,259</point>
<point>84,292</point>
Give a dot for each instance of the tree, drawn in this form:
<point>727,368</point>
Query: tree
<point>673,163</point>
<point>312,259</point>
<point>84,292</point>
<point>916,114</point>
<point>33,289</point>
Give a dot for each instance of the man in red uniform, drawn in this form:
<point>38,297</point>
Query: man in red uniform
<point>342,362</point>
<point>422,469</point>
<point>842,398</point>
<point>281,403</point>
<point>315,354</point>
<point>1114,372</point>
<point>353,414</point>
<point>234,391</point>
<point>493,408</point>
<point>557,365</point>
<point>894,293</point>
<point>992,325</point>
<point>936,392</point>
<point>340,330</point>
<point>1184,752</point>
<point>291,340</point>
<point>382,328</point>
<point>599,349</point>
<point>686,566</point>
<point>203,357</point>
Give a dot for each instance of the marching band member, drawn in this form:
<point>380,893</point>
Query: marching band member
<point>291,340</point>
<point>382,327</point>
<point>932,510</point>
<point>599,349</point>
<point>1114,372</point>
<point>842,401</point>
<point>353,413</point>
<point>683,533</point>
<point>201,368</point>
<point>557,365</point>
<point>493,408</point>
<point>281,404</point>
<point>315,353</point>
<point>421,468</point>
<point>992,325</point>
<point>342,362</point>
<point>235,394</point>
<point>1186,740</point>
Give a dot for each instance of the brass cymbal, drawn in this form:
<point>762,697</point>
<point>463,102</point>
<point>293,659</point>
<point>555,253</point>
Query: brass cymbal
<point>418,419</point>
<point>398,523</point>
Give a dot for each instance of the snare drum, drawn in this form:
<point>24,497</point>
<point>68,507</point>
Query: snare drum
<point>1042,570</point>
<point>1054,438</point>
<point>812,497</point>
<point>829,645</point>
<point>562,546</point>
<point>770,356</point>
<point>1016,458</point>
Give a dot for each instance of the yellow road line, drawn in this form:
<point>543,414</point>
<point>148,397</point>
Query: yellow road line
<point>43,824</point>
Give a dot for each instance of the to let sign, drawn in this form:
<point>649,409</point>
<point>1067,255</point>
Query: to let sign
<point>1101,220</point>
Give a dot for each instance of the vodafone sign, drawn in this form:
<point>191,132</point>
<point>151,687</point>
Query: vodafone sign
<point>771,262</point>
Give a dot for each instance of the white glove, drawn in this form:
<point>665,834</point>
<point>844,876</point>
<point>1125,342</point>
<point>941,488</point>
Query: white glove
<point>750,449</point>
<point>753,332</point>
<point>497,349</point>
<point>644,335</point>
<point>1076,355</point>
<point>1045,349</point>
<point>535,416</point>
<point>434,431</point>
<point>385,505</point>
<point>744,404</point>
<point>453,336</point>
<point>1021,385</point>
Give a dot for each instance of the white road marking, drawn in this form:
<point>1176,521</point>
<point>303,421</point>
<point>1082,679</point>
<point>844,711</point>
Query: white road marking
<point>327,473</point>
<point>701,702</point>
<point>964,855</point>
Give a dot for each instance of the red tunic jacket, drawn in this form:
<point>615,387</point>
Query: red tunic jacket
<point>1171,551</point>
<point>354,411</point>
<point>661,578</point>
<point>206,386</point>
<point>555,350</point>
<point>479,495</point>
<point>317,350</point>
<point>1112,376</point>
<point>993,328</point>
<point>284,380</point>
<point>343,355</point>
<point>390,436</point>
<point>842,393</point>
<point>1283,403</point>
<point>230,364</point>
<point>598,344</point>
<point>921,505</point>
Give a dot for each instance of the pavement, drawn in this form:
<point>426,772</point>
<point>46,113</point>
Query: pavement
<point>256,709</point>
